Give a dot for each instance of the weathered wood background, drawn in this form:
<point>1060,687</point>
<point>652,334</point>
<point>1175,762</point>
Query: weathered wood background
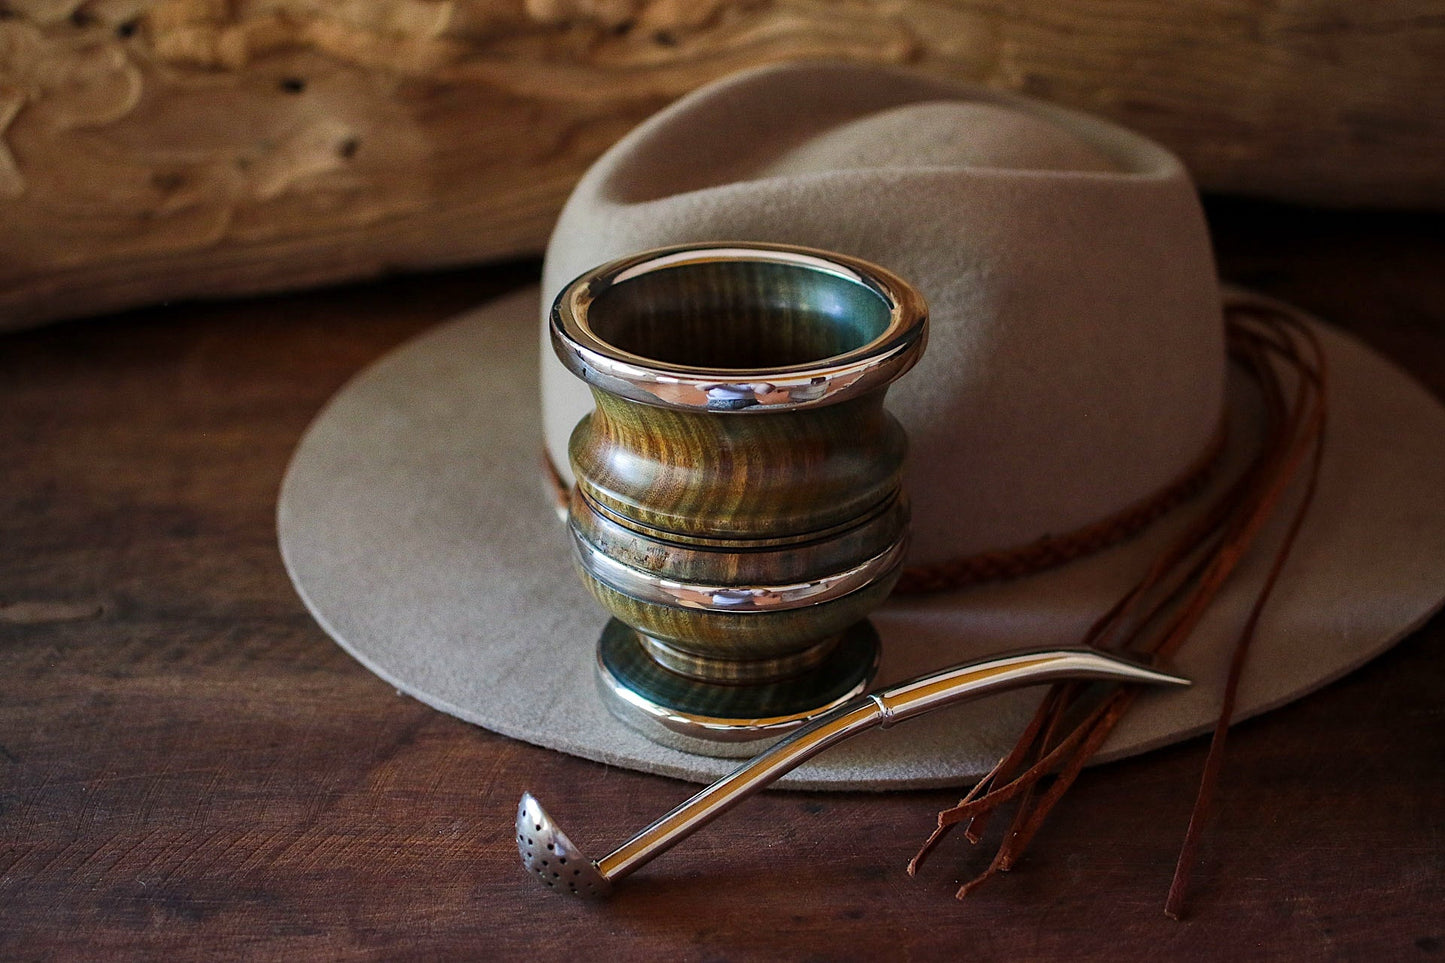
<point>160,150</point>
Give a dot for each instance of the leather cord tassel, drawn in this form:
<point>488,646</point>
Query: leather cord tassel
<point>1158,615</point>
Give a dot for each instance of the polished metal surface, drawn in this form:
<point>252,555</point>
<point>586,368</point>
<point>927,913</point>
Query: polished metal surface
<point>547,851</point>
<point>880,709</point>
<point>610,368</point>
<point>657,588</point>
<point>725,720</point>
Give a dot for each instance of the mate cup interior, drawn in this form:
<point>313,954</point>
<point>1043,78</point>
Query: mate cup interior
<point>778,314</point>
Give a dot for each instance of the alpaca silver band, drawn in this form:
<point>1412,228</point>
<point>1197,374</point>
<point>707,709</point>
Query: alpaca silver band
<point>850,374</point>
<point>647,587</point>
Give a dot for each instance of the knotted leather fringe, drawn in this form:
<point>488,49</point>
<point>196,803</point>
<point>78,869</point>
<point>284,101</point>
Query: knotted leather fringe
<point>1158,615</point>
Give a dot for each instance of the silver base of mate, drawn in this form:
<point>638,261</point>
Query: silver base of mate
<point>721,719</point>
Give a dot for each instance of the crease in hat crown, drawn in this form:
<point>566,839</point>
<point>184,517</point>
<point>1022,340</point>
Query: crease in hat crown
<point>1076,361</point>
<point>813,382</point>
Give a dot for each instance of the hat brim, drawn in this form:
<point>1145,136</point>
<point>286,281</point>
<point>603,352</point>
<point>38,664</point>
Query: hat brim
<point>415,527</point>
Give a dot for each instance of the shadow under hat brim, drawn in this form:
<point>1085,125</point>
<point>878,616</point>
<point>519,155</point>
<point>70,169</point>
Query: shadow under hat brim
<point>415,525</point>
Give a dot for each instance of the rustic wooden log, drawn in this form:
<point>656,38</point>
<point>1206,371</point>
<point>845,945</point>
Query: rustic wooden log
<point>159,150</point>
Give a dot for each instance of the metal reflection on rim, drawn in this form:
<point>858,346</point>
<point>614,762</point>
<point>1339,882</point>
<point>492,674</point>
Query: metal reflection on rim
<point>825,381</point>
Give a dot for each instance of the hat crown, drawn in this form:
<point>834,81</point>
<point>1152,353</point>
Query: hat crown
<point>1076,363</point>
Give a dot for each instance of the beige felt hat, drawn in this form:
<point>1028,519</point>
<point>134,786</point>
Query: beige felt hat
<point>1076,372</point>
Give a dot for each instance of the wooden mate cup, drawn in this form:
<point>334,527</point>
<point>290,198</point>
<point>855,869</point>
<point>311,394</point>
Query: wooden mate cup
<point>738,506</point>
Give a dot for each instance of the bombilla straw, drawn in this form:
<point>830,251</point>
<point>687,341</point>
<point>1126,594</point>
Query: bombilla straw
<point>547,851</point>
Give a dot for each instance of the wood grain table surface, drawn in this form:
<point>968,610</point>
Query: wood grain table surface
<point>190,768</point>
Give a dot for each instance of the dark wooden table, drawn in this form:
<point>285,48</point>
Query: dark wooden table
<point>189,766</point>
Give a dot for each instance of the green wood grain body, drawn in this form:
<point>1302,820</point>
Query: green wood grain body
<point>737,500</point>
<point>739,475</point>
